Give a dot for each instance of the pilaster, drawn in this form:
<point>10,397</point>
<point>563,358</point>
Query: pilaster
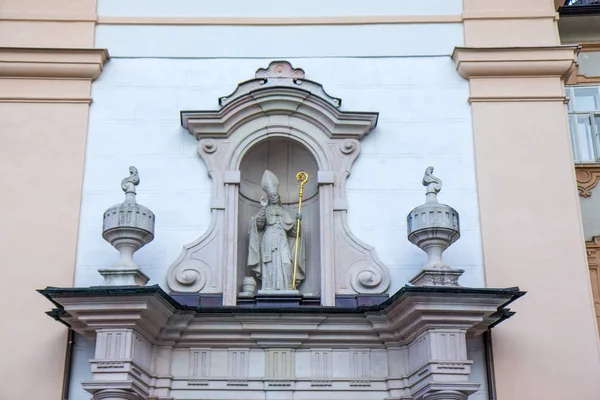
<point>45,81</point>
<point>510,23</point>
<point>516,70</point>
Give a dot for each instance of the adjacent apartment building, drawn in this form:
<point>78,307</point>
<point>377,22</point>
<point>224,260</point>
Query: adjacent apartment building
<point>323,200</point>
<point>579,24</point>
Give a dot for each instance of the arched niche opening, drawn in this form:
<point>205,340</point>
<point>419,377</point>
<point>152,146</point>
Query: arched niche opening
<point>285,123</point>
<point>285,158</point>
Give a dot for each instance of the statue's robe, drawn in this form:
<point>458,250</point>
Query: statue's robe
<point>272,247</point>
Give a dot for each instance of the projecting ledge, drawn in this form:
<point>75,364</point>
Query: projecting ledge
<point>145,323</point>
<point>535,61</point>
<point>55,63</point>
<point>151,311</point>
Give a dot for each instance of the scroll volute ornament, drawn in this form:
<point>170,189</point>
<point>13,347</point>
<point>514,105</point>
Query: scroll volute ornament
<point>588,176</point>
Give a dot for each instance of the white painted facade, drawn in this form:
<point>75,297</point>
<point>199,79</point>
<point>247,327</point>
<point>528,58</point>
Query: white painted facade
<point>402,71</point>
<point>272,8</point>
<point>424,120</point>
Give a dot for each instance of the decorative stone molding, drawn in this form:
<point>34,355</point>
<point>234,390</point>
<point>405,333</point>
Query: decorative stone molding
<point>57,63</point>
<point>411,346</point>
<point>588,176</point>
<point>593,257</point>
<point>284,21</point>
<point>278,103</point>
<point>477,62</point>
<point>48,16</point>
<point>501,75</point>
<point>583,79</point>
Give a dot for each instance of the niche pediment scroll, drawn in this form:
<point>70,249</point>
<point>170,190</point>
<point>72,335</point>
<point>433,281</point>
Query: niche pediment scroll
<point>280,122</point>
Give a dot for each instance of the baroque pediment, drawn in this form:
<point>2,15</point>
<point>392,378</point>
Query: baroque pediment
<point>279,112</point>
<point>280,74</point>
<point>279,90</point>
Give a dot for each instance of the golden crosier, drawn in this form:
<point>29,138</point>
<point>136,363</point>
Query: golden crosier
<point>302,178</point>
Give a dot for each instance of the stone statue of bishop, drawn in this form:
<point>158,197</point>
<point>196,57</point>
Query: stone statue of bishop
<point>272,243</point>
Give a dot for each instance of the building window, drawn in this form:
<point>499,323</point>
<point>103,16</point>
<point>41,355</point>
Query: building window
<point>584,122</point>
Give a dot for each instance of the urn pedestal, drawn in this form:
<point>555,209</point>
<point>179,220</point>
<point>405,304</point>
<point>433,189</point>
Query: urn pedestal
<point>127,227</point>
<point>433,227</point>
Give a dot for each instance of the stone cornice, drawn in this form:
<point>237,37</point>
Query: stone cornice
<point>279,101</point>
<point>282,21</point>
<point>51,63</point>
<point>491,62</point>
<point>588,176</point>
<point>398,321</point>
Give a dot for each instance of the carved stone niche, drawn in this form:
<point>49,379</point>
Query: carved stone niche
<point>282,122</point>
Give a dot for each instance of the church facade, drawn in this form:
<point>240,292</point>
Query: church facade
<point>260,201</point>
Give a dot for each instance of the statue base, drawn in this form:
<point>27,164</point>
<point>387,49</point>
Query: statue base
<point>437,277</point>
<point>123,277</point>
<point>278,298</point>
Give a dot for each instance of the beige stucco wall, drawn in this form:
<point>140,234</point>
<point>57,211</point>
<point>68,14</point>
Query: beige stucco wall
<point>47,23</point>
<point>41,171</point>
<point>532,237</point>
<point>44,115</point>
<point>529,208</point>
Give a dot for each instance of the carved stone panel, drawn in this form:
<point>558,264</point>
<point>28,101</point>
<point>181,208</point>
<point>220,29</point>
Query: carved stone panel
<point>279,363</point>
<point>593,256</point>
<point>588,176</point>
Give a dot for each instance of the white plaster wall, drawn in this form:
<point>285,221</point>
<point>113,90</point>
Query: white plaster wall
<point>83,352</point>
<point>476,353</point>
<point>274,8</point>
<point>280,42</point>
<point>424,120</point>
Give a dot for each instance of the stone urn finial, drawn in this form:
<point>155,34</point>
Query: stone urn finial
<point>128,227</point>
<point>433,227</point>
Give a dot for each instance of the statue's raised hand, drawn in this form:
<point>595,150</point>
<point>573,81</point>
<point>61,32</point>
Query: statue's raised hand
<point>263,202</point>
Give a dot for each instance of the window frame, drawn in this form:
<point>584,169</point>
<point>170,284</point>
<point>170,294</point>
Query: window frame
<point>594,123</point>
